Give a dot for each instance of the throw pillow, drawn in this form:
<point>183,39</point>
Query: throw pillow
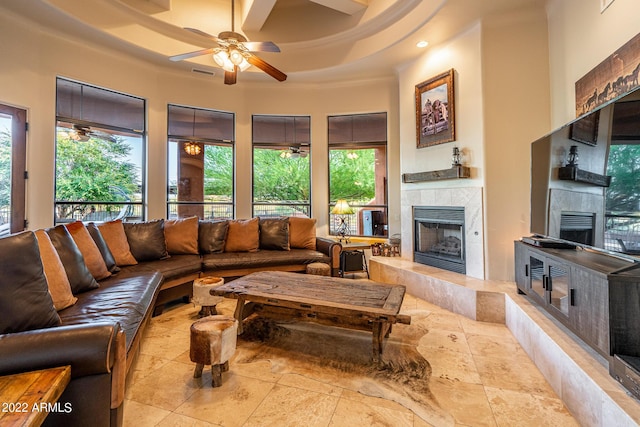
<point>113,233</point>
<point>90,252</point>
<point>302,233</point>
<point>182,235</point>
<point>274,233</point>
<point>212,236</point>
<point>80,278</point>
<point>57,281</point>
<point>243,236</point>
<point>25,302</point>
<point>146,240</point>
<point>109,260</point>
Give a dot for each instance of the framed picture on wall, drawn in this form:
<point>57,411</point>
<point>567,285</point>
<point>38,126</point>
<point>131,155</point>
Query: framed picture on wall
<point>585,130</point>
<point>435,110</point>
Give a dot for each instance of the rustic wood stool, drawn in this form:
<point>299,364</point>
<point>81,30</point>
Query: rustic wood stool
<point>202,297</point>
<point>213,342</point>
<point>319,269</point>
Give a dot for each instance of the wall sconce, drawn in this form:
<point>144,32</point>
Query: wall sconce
<point>342,209</point>
<point>192,148</point>
<point>572,158</point>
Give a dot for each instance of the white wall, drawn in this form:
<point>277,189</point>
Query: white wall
<point>33,59</point>
<point>501,104</point>
<point>580,37</point>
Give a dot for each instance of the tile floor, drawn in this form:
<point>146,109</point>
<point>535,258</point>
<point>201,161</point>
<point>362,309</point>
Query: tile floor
<point>481,377</point>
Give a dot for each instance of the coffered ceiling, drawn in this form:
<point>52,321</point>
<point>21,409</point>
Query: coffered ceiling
<point>320,40</point>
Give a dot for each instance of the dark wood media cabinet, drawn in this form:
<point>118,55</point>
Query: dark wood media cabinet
<point>595,295</point>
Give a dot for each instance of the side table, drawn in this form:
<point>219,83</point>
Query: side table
<point>353,258</point>
<point>27,397</point>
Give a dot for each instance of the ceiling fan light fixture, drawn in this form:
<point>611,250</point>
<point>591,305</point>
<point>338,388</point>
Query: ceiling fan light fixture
<point>235,56</point>
<point>221,57</point>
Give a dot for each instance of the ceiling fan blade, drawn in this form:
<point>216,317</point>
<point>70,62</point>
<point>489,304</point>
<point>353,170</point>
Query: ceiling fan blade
<point>230,77</point>
<point>267,68</point>
<point>192,54</point>
<point>202,33</point>
<point>261,47</point>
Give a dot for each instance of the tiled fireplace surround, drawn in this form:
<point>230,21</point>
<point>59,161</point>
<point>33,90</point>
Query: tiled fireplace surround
<point>577,374</point>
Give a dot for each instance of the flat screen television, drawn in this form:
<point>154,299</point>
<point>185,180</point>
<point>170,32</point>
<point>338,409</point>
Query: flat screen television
<point>585,180</point>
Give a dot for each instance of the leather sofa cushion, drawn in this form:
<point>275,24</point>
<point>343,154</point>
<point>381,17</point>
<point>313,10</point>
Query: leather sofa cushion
<point>106,253</point>
<point>57,281</point>
<point>146,240</point>
<point>79,276</point>
<point>212,236</point>
<point>113,233</point>
<point>25,302</point>
<point>243,236</point>
<point>90,252</point>
<point>262,258</point>
<point>181,235</point>
<point>172,267</point>
<point>302,233</point>
<point>126,298</point>
<point>274,233</point>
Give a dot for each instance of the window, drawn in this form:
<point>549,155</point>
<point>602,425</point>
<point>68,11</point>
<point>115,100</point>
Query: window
<point>13,144</point>
<point>100,143</point>
<point>281,176</point>
<point>200,169</point>
<point>358,172</point>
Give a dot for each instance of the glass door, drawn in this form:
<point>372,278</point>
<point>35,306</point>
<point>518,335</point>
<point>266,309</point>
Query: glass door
<point>537,277</point>
<point>558,286</point>
<point>13,142</point>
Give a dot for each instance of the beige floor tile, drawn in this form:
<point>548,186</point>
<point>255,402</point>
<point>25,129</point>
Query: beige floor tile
<point>177,420</point>
<point>485,328</point>
<point>444,320</point>
<point>228,405</point>
<point>141,415</point>
<point>514,372</point>
<point>372,401</point>
<point>452,365</point>
<point>467,403</point>
<point>305,383</point>
<point>145,365</point>
<point>260,370</point>
<point>293,407</point>
<point>353,413</point>
<point>164,342</point>
<point>491,345</point>
<point>168,387</point>
<point>513,408</point>
<point>441,339</point>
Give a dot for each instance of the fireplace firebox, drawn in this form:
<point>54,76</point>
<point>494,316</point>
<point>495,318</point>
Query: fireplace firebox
<point>439,237</point>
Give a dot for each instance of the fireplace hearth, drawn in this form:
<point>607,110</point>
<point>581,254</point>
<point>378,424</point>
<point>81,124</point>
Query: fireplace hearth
<point>439,237</point>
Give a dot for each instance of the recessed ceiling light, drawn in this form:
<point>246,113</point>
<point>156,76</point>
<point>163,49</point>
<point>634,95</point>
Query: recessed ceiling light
<point>422,43</point>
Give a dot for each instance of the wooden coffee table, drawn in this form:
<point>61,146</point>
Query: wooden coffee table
<point>355,304</point>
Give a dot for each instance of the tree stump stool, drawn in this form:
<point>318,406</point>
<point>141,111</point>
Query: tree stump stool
<point>213,342</point>
<point>319,269</point>
<point>202,297</point>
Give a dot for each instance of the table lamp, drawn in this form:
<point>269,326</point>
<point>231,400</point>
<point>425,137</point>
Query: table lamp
<point>342,209</point>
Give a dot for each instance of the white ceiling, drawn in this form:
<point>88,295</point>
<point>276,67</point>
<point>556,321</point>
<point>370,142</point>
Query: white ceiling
<point>320,40</point>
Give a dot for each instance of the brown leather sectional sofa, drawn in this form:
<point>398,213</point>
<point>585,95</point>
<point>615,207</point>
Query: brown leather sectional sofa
<point>99,334</point>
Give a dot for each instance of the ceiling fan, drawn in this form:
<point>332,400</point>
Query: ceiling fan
<point>294,153</point>
<point>235,52</point>
<point>84,133</point>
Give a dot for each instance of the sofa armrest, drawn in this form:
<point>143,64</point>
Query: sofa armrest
<point>332,249</point>
<point>89,349</point>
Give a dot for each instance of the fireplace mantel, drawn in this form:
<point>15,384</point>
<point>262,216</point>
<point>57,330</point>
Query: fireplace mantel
<point>455,172</point>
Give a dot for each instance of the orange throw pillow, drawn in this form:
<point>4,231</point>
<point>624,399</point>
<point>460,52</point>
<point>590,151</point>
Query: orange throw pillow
<point>57,280</point>
<point>113,233</point>
<point>243,235</point>
<point>302,233</point>
<point>89,250</point>
<point>181,235</point>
